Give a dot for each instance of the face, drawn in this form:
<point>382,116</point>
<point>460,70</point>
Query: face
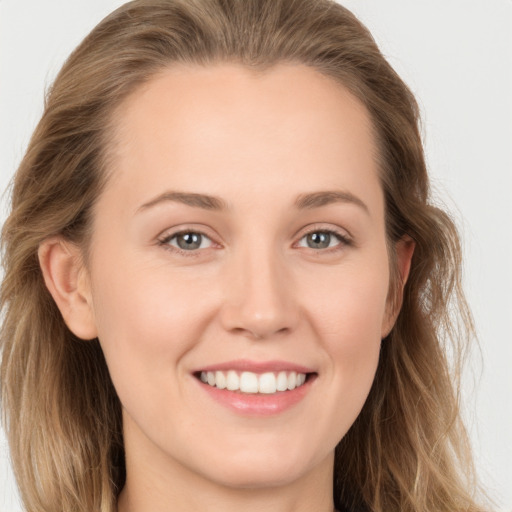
<point>240,241</point>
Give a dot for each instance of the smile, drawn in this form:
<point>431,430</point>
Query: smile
<point>249,382</point>
<point>251,388</point>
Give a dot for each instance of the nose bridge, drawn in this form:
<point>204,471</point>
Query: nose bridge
<point>260,300</point>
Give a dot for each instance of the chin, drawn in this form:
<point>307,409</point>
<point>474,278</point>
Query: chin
<point>256,478</point>
<point>261,469</point>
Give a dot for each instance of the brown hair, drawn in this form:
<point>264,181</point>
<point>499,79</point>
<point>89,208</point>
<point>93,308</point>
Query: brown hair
<point>407,450</point>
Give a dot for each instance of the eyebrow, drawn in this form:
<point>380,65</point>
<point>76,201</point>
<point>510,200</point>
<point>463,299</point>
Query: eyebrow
<point>303,201</point>
<point>318,199</point>
<point>194,200</point>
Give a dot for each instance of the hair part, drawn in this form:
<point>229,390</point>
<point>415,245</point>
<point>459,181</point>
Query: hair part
<point>408,449</point>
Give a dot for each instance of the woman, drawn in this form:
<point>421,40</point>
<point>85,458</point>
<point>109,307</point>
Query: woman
<point>225,285</point>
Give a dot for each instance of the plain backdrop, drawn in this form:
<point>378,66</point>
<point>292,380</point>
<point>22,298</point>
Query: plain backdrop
<point>456,55</point>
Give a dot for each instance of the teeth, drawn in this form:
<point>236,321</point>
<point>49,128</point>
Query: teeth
<point>232,381</point>
<point>220,380</point>
<point>249,382</point>
<point>292,380</point>
<point>267,383</point>
<point>282,381</point>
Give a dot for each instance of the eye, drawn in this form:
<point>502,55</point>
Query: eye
<point>322,239</point>
<point>187,241</point>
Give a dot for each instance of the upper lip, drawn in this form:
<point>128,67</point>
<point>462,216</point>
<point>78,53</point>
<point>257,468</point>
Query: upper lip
<point>246,365</point>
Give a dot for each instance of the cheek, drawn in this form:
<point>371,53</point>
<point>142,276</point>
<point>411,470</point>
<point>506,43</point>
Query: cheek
<point>350,307</point>
<point>145,309</point>
<point>146,323</point>
<point>348,318</point>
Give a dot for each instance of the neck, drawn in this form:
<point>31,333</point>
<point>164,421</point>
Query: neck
<point>161,484</point>
<point>141,498</point>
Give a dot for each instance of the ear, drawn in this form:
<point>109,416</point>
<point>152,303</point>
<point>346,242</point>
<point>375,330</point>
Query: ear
<point>67,281</point>
<point>404,250</point>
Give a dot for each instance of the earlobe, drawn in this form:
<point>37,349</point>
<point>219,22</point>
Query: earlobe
<point>66,279</point>
<point>404,250</point>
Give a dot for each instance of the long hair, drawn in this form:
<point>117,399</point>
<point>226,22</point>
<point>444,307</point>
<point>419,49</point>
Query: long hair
<point>407,451</point>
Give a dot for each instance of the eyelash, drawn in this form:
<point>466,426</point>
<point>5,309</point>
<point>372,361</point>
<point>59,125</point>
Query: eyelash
<point>165,242</point>
<point>343,239</point>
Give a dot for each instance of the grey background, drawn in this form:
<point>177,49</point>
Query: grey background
<point>456,55</point>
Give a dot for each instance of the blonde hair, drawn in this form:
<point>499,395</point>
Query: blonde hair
<point>407,450</point>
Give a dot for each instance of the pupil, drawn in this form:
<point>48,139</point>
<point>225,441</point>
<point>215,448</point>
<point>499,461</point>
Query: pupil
<point>189,241</point>
<point>319,240</point>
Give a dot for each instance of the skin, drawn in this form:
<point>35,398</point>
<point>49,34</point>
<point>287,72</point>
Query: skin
<point>255,289</point>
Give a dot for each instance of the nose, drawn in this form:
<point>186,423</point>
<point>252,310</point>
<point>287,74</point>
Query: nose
<point>259,300</point>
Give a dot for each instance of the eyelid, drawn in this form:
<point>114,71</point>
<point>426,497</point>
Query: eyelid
<point>343,235</point>
<point>166,236</point>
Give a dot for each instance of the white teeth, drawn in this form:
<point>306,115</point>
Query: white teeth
<point>292,380</point>
<point>282,381</point>
<point>220,380</point>
<point>267,383</point>
<point>249,382</point>
<point>232,381</point>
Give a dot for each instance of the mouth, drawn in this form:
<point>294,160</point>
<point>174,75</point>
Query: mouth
<point>256,388</point>
<point>247,382</point>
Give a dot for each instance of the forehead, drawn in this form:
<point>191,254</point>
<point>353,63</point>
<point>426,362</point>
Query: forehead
<point>287,125</point>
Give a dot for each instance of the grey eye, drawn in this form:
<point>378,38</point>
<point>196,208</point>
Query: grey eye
<point>189,241</point>
<point>320,240</point>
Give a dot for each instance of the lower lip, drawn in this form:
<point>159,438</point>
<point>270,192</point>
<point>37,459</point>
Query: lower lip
<point>258,404</point>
